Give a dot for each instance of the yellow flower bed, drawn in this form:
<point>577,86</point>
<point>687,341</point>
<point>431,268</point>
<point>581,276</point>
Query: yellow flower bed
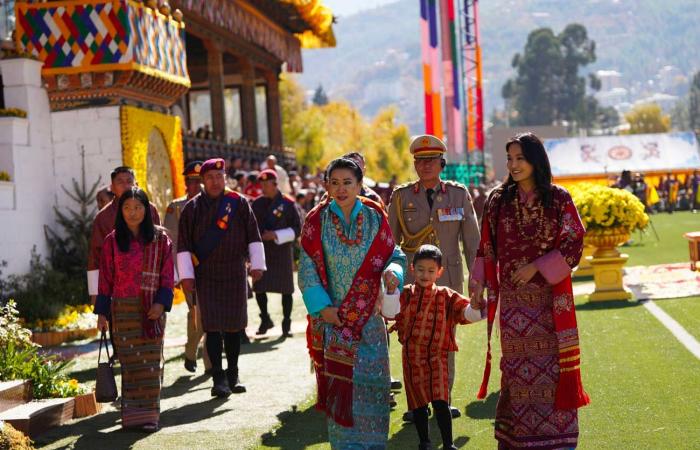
<point>136,127</point>
<point>604,207</point>
<point>71,318</point>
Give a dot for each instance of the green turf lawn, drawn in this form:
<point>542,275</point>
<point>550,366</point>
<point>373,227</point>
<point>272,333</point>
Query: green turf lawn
<point>670,247</point>
<point>686,311</point>
<point>643,383</point>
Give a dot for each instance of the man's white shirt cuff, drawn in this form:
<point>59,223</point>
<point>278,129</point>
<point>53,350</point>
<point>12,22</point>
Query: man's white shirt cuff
<point>256,250</point>
<point>185,268</point>
<point>93,279</point>
<point>284,235</point>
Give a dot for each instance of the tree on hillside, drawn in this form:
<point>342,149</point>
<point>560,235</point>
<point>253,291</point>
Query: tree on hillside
<point>320,133</point>
<point>320,97</point>
<point>386,153</point>
<point>648,119</point>
<point>694,104</point>
<point>547,88</point>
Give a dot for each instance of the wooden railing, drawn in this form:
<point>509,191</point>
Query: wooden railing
<point>203,149</point>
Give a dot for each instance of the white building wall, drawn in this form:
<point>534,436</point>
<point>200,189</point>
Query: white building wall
<point>97,130</point>
<point>42,153</point>
<point>22,224</point>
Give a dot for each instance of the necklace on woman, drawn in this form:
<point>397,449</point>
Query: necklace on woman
<point>341,234</point>
<point>537,218</point>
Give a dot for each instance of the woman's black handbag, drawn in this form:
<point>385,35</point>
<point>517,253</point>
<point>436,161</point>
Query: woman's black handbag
<point>106,386</point>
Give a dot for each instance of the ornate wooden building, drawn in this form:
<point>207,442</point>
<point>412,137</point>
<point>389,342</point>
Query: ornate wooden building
<point>236,51</point>
<point>141,83</point>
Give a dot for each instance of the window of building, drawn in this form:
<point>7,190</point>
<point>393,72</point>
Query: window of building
<point>261,115</point>
<point>200,113</point>
<point>232,108</point>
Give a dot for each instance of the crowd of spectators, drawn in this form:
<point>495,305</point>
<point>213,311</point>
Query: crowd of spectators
<point>672,192</point>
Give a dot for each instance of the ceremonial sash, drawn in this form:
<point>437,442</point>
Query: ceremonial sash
<point>211,238</point>
<point>271,218</point>
<point>150,282</point>
<point>569,392</point>
<point>334,364</point>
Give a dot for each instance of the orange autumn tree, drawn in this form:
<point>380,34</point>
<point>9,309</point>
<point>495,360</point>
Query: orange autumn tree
<point>320,133</point>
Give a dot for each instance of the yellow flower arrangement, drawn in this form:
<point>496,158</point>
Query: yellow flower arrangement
<point>71,318</point>
<point>136,127</point>
<point>602,207</point>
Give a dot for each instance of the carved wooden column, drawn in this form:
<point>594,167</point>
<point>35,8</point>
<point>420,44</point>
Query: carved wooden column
<point>274,115</point>
<point>215,72</point>
<point>249,118</point>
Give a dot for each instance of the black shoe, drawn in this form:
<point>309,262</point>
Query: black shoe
<point>425,446</point>
<point>454,412</point>
<point>396,384</point>
<point>265,324</point>
<point>190,366</point>
<point>286,327</point>
<point>408,415</point>
<point>233,382</point>
<point>220,388</point>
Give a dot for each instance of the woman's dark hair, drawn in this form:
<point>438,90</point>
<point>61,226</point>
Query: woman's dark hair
<point>147,230</point>
<point>536,155</point>
<point>430,252</point>
<point>344,163</point>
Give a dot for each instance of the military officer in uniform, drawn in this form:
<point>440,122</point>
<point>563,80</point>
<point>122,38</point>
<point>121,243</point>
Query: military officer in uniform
<point>193,184</point>
<point>433,211</point>
<point>279,224</point>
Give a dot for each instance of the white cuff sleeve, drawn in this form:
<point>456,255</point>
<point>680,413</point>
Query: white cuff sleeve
<point>185,269</point>
<point>256,250</point>
<point>284,235</point>
<point>472,315</point>
<point>93,279</point>
<point>391,305</point>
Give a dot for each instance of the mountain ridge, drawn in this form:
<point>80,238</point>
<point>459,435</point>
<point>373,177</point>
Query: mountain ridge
<point>378,61</point>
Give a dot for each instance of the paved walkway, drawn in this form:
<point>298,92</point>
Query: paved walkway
<point>276,372</point>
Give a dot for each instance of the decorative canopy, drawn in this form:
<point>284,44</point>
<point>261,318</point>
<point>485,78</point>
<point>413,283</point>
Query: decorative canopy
<point>319,19</point>
<point>97,51</point>
<point>570,157</point>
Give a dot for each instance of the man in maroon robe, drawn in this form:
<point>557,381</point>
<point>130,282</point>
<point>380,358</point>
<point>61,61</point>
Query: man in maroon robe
<point>217,235</point>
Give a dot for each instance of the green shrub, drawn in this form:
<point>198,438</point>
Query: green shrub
<point>42,292</point>
<point>20,359</point>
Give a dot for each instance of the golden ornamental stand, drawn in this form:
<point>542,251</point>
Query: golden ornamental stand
<point>606,263</point>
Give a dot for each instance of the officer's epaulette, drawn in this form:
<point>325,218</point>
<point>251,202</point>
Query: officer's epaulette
<point>455,184</point>
<point>288,198</point>
<point>404,185</point>
<point>398,188</point>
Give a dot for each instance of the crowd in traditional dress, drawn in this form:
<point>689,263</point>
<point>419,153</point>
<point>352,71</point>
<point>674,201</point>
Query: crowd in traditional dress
<point>673,192</point>
<point>368,265</point>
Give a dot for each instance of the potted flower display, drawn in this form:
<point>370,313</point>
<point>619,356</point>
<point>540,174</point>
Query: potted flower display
<point>610,215</point>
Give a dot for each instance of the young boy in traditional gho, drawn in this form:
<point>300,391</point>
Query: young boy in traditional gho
<point>425,319</point>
